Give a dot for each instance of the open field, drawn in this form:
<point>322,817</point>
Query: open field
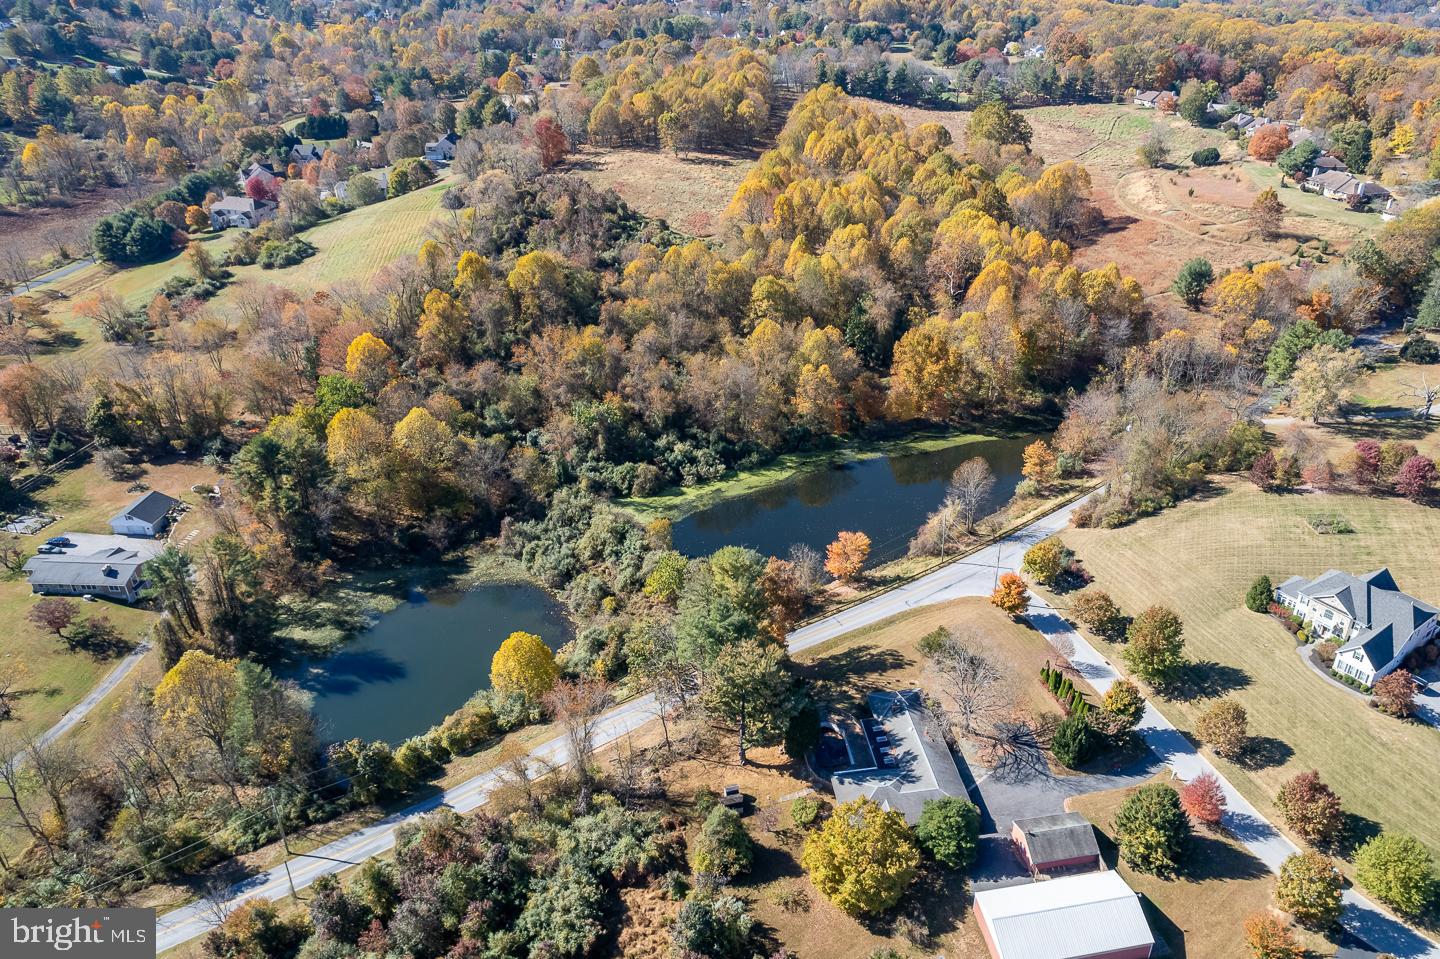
<point>1157,219</point>
<point>688,192</point>
<point>84,499</point>
<point>1200,914</point>
<point>1200,557</point>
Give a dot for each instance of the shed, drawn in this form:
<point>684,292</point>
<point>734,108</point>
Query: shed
<point>148,515</point>
<point>1056,844</point>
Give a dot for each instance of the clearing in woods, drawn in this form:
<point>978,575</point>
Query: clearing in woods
<point>1156,219</point>
<point>688,192</point>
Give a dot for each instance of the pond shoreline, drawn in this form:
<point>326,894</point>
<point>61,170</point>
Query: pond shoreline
<point>678,502</point>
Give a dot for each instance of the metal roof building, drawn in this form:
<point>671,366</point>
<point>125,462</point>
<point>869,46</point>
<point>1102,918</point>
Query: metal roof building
<point>1090,916</point>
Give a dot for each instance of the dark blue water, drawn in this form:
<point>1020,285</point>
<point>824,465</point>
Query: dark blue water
<point>423,660</point>
<point>887,498</point>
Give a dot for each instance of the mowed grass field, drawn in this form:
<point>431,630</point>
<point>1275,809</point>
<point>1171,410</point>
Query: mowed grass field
<point>1200,557</point>
<point>353,250</point>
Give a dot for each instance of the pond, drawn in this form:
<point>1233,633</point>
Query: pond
<point>885,497</point>
<point>423,660</point>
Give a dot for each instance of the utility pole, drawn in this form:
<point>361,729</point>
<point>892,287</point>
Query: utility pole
<point>285,843</point>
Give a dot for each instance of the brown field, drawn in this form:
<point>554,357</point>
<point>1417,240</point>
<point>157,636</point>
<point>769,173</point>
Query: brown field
<point>689,192</point>
<point>1156,219</point>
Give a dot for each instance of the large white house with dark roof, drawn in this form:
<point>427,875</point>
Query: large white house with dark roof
<point>1378,624</point>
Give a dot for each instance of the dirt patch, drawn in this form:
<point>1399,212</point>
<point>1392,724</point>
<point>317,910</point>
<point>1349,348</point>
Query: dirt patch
<point>27,237</point>
<point>688,192</point>
<point>645,929</point>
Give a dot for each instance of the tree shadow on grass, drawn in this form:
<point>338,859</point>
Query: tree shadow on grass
<point>1356,831</point>
<point>1381,430</point>
<point>845,677</point>
<point>1208,680</point>
<point>1210,858</point>
<point>1264,752</point>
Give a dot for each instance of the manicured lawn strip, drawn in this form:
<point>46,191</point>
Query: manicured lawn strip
<point>1200,557</point>
<point>679,502</point>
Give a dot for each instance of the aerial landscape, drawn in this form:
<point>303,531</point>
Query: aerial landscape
<point>720,479</point>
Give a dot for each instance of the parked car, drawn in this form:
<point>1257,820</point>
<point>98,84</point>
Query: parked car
<point>59,541</point>
<point>49,549</point>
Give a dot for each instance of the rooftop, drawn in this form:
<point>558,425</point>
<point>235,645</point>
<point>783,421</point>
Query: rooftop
<point>1087,915</point>
<point>923,768</point>
<point>152,506</point>
<point>1386,616</point>
<point>1058,838</point>
<point>113,564</point>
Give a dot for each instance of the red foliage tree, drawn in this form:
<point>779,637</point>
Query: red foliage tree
<point>1203,800</point>
<point>1415,478</point>
<point>1365,463</point>
<point>1395,693</point>
<point>261,187</point>
<point>52,615</point>
<point>1270,141</point>
<point>1262,471</point>
<point>551,141</point>
<point>1310,808</point>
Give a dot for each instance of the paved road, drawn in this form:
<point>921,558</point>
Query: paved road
<point>54,275</point>
<point>973,577</point>
<point>1362,918</point>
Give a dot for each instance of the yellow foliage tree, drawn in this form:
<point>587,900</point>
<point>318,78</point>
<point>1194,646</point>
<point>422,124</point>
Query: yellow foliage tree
<point>524,664</point>
<point>424,439</point>
<point>355,442</point>
<point>368,360</point>
<point>862,858</point>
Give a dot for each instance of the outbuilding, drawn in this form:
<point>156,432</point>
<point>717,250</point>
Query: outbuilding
<point>148,515</point>
<point>1091,916</point>
<point>1056,845</point>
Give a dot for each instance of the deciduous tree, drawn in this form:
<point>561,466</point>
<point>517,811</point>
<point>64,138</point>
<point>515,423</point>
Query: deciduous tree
<point>1225,728</point>
<point>1011,595</point>
<point>1399,871</point>
<point>1268,937</point>
<point>1309,888</point>
<point>1155,645</point>
<point>524,664</point>
<point>845,558</point>
<point>1310,808</point>
<point>1203,800</point>
<point>862,858</point>
<point>1394,693</point>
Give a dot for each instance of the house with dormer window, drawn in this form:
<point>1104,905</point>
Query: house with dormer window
<point>1376,624</point>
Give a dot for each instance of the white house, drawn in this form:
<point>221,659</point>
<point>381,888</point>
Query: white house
<point>240,211</point>
<point>1149,99</point>
<point>111,572</point>
<point>443,149</point>
<point>1378,624</point>
<point>1346,187</point>
<point>905,764</point>
<point>147,515</point>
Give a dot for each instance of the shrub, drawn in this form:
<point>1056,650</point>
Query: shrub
<point>276,254</point>
<point>1206,156</point>
<point>949,830</point>
<point>1269,938</point>
<point>724,847</point>
<point>1419,349</point>
<point>715,926</point>
<point>1193,280</point>
<point>1152,829</point>
<point>1072,742</point>
<point>1398,871</point>
<point>1123,700</point>
<point>1395,694</point>
<point>1260,596</point>
<point>806,811</point>
<point>1310,890</point>
<point>1310,808</point>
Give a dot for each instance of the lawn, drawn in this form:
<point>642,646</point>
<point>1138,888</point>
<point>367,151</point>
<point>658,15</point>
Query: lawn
<point>1200,914</point>
<point>1302,204</point>
<point>84,500</point>
<point>1200,557</point>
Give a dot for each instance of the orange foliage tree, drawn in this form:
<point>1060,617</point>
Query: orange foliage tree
<point>1011,595</point>
<point>845,557</point>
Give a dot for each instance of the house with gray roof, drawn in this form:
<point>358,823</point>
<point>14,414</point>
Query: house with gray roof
<point>110,572</point>
<point>1340,185</point>
<point>1063,843</point>
<point>241,211</point>
<point>908,764</point>
<point>1377,623</point>
<point>147,515</point>
<point>1149,99</point>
